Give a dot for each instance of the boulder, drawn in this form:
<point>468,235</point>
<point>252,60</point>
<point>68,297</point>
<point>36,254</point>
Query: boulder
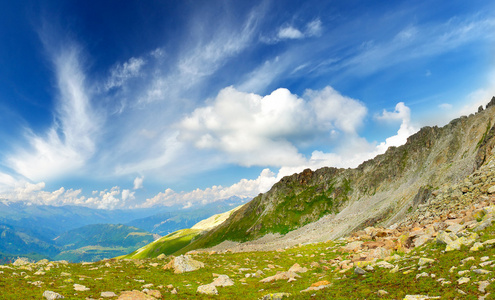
<point>108,294</point>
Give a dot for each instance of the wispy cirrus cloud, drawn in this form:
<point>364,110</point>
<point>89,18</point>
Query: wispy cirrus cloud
<point>70,141</point>
<point>120,73</point>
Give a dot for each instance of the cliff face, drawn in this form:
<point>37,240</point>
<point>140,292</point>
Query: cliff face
<point>380,191</point>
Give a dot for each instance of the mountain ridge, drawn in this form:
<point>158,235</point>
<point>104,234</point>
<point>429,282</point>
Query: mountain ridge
<point>379,191</point>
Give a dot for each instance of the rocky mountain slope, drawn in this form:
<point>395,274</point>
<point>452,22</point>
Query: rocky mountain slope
<point>329,203</point>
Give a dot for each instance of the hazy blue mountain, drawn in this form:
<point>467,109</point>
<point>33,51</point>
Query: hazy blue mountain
<point>16,241</point>
<point>78,233</point>
<point>99,241</point>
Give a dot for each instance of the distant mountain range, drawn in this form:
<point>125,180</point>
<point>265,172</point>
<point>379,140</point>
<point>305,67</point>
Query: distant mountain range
<point>76,233</point>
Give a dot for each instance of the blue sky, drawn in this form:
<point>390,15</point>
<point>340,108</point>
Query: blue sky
<point>121,104</point>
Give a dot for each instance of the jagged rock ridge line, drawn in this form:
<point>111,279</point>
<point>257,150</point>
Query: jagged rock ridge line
<point>328,203</point>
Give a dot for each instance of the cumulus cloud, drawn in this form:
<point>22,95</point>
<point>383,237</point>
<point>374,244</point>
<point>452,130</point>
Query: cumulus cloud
<point>289,32</point>
<point>256,130</point>
<point>244,188</point>
<point>138,183</point>
<point>127,195</point>
<point>35,193</point>
<point>67,145</point>
<point>354,149</point>
<point>402,113</point>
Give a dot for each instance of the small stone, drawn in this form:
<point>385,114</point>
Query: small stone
<point>420,297</point>
<point>382,293</point>
<point>384,264</point>
<point>424,274</point>
<point>49,295</point>
<point>184,263</point>
<point>317,286</point>
<point>207,289</point>
<point>223,280</point>
<point>485,224</point>
<point>359,271</point>
<point>276,296</point>
<point>80,288</point>
<point>134,295</point>
<point>481,271</point>
<point>443,238</point>
<point>108,294</point>
<point>154,293</point>
<point>476,247</point>
<point>482,285</point>
<point>424,261</point>
<point>298,269</point>
<point>463,280</point>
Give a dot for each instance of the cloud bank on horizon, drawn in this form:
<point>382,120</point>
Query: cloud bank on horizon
<point>223,100</point>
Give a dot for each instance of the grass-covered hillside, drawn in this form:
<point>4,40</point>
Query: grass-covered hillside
<point>178,240</point>
<point>167,245</point>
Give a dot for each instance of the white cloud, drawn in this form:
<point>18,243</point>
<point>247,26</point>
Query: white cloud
<point>314,28</point>
<point>71,140</point>
<point>256,130</point>
<point>138,183</point>
<point>127,195</point>
<point>120,73</point>
<point>353,149</point>
<point>243,188</point>
<point>35,193</point>
<point>289,32</point>
<point>476,99</point>
<point>201,59</point>
<point>403,113</point>
<point>418,41</point>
